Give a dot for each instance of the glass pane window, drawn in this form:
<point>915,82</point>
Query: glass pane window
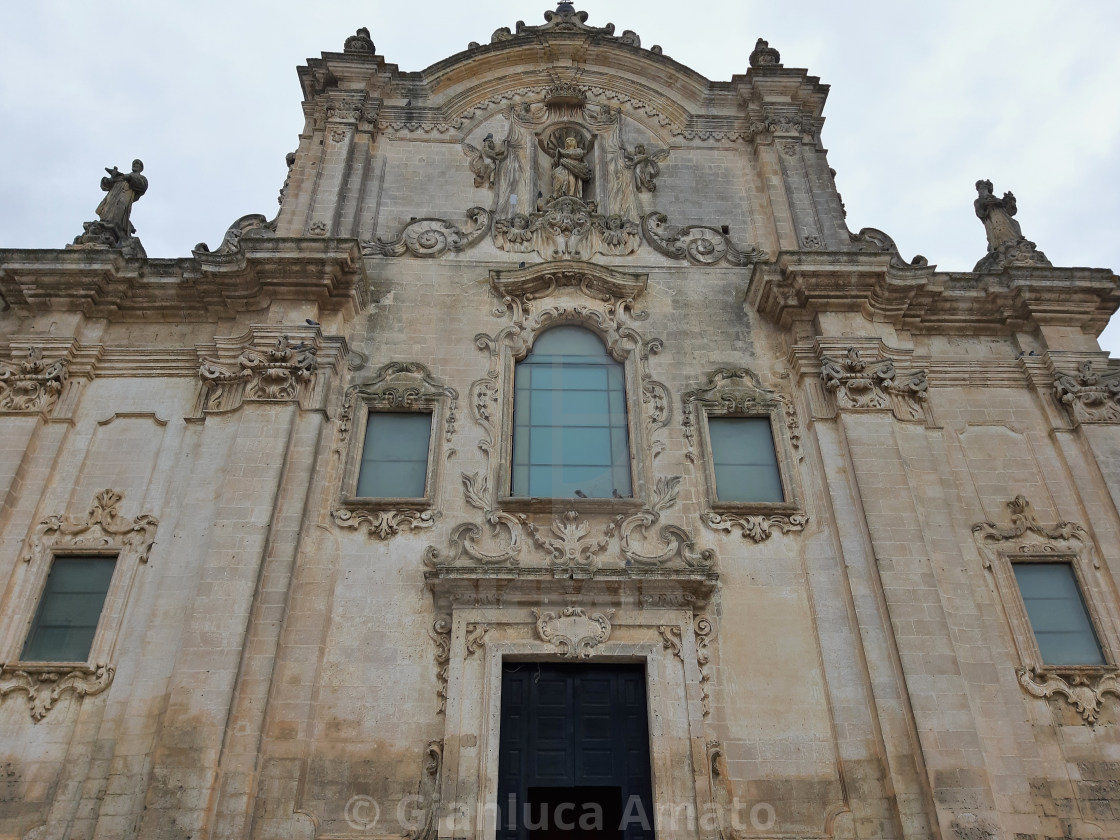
<point>395,456</point>
<point>69,610</point>
<point>745,461</point>
<point>569,413</point>
<point>1057,614</point>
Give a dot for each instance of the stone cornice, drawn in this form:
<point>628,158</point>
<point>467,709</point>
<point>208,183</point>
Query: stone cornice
<point>103,284</point>
<point>799,285</point>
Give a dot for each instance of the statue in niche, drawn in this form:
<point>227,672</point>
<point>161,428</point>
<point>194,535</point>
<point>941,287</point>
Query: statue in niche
<point>123,190</point>
<point>571,168</point>
<point>996,214</point>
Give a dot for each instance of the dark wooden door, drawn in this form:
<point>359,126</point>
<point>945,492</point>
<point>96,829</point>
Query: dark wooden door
<point>574,753</point>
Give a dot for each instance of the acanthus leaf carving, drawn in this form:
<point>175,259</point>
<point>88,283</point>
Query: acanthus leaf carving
<point>1090,396</point>
<point>572,545</point>
<point>277,374</point>
<point>672,542</point>
<point>1084,692</point>
<point>698,244</point>
<point>476,637</point>
<point>44,686</point>
<point>102,526</point>
<point>567,228</point>
<point>383,524</point>
<point>31,384</point>
<point>573,631</point>
<point>432,237</point>
<point>671,639</point>
<point>704,630</point>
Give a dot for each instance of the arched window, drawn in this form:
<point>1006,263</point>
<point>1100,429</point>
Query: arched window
<point>570,435</point>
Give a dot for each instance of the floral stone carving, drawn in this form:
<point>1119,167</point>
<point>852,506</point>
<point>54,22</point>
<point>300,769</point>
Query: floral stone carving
<point>468,539</point>
<point>432,237</point>
<point>567,228</point>
<point>102,526</point>
<point>1024,522</point>
<point>573,631</point>
<point>31,384</point>
<point>755,527</point>
<point>698,244</point>
<point>383,524</point>
<point>45,686</point>
<point>858,384</point>
<point>276,374</point>
<point>572,544</point>
<point>1092,397</point>
<point>440,632</point>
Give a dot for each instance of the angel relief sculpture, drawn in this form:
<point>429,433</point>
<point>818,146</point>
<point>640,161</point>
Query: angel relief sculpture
<point>485,161</point>
<point>571,164</point>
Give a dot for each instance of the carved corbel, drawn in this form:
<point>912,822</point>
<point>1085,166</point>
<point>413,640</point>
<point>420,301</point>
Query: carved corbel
<point>31,384</point>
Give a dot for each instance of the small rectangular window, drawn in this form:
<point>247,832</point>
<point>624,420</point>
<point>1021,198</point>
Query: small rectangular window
<point>745,461</point>
<point>395,456</point>
<point>69,609</point>
<point>1057,614</point>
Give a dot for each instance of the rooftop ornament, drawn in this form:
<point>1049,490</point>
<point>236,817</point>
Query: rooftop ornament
<point>114,227</point>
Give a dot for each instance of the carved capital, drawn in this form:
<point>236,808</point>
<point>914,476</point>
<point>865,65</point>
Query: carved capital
<point>861,385</point>
<point>31,384</point>
<point>573,631</point>
<point>1091,397</point>
<point>280,373</point>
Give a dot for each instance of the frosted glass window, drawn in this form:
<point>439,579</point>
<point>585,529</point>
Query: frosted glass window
<point>395,456</point>
<point>745,461</point>
<point>69,610</point>
<point>1057,613</point>
<point>569,420</point>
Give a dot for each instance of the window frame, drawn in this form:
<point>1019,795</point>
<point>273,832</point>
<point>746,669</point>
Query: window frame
<point>401,388</point>
<point>636,383</point>
<point>737,393</point>
<point>1022,631</point>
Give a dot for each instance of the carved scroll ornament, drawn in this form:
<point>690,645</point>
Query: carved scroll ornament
<point>383,524</point>
<point>1090,396</point>
<point>567,228</point>
<point>1024,523</point>
<point>432,237</point>
<point>31,384</point>
<point>499,544</point>
<point>573,631</point>
<point>1082,691</point>
<point>672,543</point>
<point>698,244</point>
<point>101,526</point>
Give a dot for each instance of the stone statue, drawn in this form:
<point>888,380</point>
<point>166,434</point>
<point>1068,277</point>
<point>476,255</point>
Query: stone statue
<point>644,166</point>
<point>996,214</point>
<point>485,161</point>
<point>1006,244</point>
<point>571,168</point>
<point>114,228</point>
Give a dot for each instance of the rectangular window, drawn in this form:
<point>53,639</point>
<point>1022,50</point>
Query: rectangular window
<point>1057,613</point>
<point>395,456</point>
<point>69,609</point>
<point>745,461</point>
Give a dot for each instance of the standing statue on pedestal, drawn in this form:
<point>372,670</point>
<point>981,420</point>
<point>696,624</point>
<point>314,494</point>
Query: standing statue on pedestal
<point>114,228</point>
<point>571,168</point>
<point>1006,244</point>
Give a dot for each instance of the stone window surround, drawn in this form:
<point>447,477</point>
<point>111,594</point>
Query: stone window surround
<point>724,396</point>
<point>1022,633</point>
<point>420,394</point>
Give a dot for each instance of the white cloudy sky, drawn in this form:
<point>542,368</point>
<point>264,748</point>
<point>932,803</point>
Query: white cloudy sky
<point>926,98</point>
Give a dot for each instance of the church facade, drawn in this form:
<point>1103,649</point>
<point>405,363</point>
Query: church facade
<point>556,461</point>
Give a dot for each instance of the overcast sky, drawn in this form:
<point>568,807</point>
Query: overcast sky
<point>926,98</point>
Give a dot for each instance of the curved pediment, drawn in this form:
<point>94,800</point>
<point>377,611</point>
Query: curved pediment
<point>541,280</point>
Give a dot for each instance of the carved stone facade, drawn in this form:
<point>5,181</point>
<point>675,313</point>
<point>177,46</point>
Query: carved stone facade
<point>279,656</point>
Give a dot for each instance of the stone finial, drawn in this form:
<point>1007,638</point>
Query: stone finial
<point>360,43</point>
<point>1006,244</point>
<point>764,55</point>
<point>114,226</point>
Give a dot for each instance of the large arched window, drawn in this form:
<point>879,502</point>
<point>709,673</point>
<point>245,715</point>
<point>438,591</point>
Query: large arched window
<point>570,436</point>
